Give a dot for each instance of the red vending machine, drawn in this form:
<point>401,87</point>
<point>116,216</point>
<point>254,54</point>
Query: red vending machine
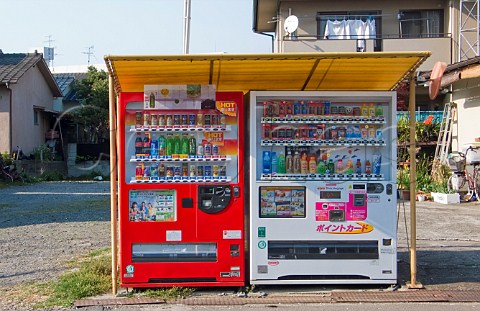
<point>181,187</point>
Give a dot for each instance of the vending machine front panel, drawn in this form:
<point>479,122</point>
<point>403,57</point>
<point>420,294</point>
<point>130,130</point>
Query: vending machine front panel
<point>181,187</point>
<point>322,164</point>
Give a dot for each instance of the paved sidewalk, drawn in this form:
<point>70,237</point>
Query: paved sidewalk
<point>448,257</point>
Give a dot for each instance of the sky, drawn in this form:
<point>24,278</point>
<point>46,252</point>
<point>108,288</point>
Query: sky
<point>127,27</point>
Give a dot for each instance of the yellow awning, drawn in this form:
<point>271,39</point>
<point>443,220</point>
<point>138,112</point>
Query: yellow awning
<point>375,71</point>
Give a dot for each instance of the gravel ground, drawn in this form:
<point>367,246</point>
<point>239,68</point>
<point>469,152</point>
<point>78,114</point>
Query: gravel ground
<point>45,225</point>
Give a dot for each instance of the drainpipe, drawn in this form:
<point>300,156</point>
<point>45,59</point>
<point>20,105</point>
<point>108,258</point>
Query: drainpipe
<point>10,130</point>
<point>269,35</point>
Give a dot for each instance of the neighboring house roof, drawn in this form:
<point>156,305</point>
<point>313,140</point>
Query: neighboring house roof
<point>64,81</point>
<point>14,66</point>
<point>465,69</point>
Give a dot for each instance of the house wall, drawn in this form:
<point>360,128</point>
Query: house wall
<point>466,94</point>
<point>4,119</point>
<point>30,90</point>
<point>307,41</point>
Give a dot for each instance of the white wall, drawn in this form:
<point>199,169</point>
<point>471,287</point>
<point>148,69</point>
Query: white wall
<point>466,94</point>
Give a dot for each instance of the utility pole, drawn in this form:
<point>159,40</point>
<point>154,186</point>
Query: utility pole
<point>186,25</point>
<point>89,53</point>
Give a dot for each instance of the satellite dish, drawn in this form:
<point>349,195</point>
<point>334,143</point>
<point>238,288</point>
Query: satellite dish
<point>436,79</point>
<point>291,24</point>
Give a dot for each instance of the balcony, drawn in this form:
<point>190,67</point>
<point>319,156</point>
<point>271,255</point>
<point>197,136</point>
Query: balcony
<point>441,47</point>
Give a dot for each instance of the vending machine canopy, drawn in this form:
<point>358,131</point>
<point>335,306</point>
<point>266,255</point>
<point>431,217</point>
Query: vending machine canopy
<point>369,71</point>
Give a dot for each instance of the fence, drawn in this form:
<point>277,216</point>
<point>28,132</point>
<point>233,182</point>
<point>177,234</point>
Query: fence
<point>420,116</point>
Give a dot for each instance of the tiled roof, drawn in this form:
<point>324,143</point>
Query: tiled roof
<point>64,80</point>
<point>14,65</point>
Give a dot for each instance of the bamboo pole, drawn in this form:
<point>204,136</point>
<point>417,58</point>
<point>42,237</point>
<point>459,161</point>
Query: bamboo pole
<point>113,181</point>
<point>413,185</point>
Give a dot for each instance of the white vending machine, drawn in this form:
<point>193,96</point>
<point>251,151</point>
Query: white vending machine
<point>322,187</point>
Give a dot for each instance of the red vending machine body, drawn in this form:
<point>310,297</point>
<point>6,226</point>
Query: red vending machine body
<point>181,191</point>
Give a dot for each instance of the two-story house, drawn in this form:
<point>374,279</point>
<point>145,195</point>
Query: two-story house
<point>449,29</point>
<point>27,92</point>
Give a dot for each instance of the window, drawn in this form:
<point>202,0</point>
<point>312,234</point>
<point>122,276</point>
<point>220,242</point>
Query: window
<point>421,24</point>
<point>35,117</point>
<point>357,25</point>
<point>364,16</point>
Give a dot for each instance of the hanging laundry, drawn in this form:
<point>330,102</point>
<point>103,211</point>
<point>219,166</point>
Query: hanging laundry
<point>337,30</point>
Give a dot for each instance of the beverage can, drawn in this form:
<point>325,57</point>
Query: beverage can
<point>146,119</point>
<point>199,119</point>
<point>223,120</point>
<point>191,120</point>
<point>223,171</point>
<point>379,134</point>
<point>200,151</point>
<point>153,172</point>
<point>176,119</point>
<point>138,172</point>
<point>154,118</point>
<point>207,149</point>
<point>372,132</point>
<point>184,119</point>
<point>200,170</point>
<point>161,120</point>
<point>169,120</point>
<point>177,171</point>
<point>214,120</point>
<point>169,172</point>
<point>215,171</point>
<point>192,171</point>
<point>161,171</point>
<point>184,169</point>
<point>215,150</point>
<point>208,171</point>
<point>208,120</point>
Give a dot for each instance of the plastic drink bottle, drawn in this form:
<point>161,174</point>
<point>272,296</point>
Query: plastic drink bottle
<point>146,144</point>
<point>138,145</point>
<point>154,147</point>
<point>321,167</point>
<point>267,162</point>
<point>358,167</point>
<point>368,167</point>
<point>274,167</point>
<point>371,111</point>
<point>281,163</point>
<point>177,145</point>
<point>364,110</point>
<point>169,145</point>
<point>185,144</point>
<point>349,167</point>
<point>304,164</point>
<point>377,162</point>
<point>296,163</point>
<point>330,167</point>
<point>312,165</point>
<point>339,166</point>
<point>192,146</point>
<point>289,163</point>
<point>162,146</point>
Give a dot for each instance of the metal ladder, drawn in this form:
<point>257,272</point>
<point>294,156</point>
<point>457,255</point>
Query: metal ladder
<point>445,133</point>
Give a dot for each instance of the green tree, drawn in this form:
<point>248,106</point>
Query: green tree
<point>93,113</point>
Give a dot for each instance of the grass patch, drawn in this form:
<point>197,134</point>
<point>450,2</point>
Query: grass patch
<point>171,293</point>
<point>4,205</point>
<point>92,277</point>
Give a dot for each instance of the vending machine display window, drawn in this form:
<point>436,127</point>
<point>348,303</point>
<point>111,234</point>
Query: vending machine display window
<point>174,252</point>
<point>152,205</point>
<point>282,202</point>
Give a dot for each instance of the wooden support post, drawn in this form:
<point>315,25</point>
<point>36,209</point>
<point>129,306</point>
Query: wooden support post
<point>113,181</point>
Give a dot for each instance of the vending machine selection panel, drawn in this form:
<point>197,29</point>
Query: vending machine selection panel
<point>181,187</point>
<point>321,165</point>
